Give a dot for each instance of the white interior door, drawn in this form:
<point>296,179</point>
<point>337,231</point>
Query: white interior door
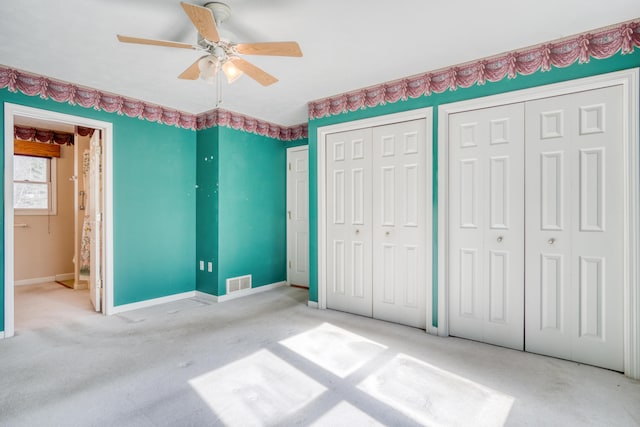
<point>348,214</point>
<point>399,223</point>
<point>486,225</point>
<point>298,216</point>
<point>574,227</point>
<point>95,213</point>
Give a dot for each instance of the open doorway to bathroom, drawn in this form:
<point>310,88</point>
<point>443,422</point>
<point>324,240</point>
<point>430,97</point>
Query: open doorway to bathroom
<point>51,222</point>
<point>55,243</point>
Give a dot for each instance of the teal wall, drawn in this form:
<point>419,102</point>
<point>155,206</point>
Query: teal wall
<point>154,210</point>
<point>252,205</point>
<point>207,210</point>
<point>154,203</point>
<point>594,67</point>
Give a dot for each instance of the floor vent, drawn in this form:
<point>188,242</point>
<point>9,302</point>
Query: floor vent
<point>239,283</point>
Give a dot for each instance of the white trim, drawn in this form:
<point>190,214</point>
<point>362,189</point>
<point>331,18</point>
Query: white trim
<point>152,302</point>
<point>11,110</point>
<point>425,114</point>
<point>247,292</point>
<point>628,79</point>
<point>205,296</point>
<point>1,335</point>
<point>36,280</point>
<point>312,304</point>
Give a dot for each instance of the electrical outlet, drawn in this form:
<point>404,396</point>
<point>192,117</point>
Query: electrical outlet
<point>201,265</point>
<point>210,266</point>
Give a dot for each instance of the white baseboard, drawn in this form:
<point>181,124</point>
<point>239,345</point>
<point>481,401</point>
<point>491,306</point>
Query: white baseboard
<point>2,335</point>
<point>207,297</point>
<point>312,304</point>
<point>36,280</point>
<point>151,302</point>
<point>242,293</point>
<point>432,330</point>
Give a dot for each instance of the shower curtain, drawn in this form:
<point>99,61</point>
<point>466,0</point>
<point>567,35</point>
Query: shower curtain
<point>85,243</point>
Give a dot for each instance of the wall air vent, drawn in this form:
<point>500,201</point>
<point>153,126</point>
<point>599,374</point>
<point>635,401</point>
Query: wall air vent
<point>239,283</point>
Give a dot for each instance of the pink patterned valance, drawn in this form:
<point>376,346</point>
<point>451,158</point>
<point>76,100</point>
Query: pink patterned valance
<point>220,117</point>
<point>42,135</point>
<point>600,44</point>
<point>26,133</point>
<point>34,85</point>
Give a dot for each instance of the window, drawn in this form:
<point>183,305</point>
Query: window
<point>34,185</point>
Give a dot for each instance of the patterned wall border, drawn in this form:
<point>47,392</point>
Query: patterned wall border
<point>599,44</point>
<point>32,85</point>
<point>220,117</point>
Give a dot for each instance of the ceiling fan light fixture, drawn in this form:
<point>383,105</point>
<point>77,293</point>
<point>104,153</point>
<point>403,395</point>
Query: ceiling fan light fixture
<point>208,68</point>
<point>232,72</point>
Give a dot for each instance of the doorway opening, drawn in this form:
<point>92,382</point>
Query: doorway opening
<point>57,260</point>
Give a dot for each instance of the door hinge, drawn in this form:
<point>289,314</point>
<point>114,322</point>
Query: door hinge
<point>289,165</point>
<point>289,264</point>
<point>98,284</point>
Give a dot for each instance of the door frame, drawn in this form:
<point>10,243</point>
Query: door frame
<point>11,110</point>
<point>289,249</point>
<point>628,79</point>
<point>425,114</point>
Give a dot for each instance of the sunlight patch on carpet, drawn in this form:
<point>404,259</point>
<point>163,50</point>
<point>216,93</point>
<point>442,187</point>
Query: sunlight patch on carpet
<point>436,397</point>
<point>260,389</point>
<point>335,349</point>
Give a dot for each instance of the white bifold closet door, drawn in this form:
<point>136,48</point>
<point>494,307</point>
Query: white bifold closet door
<point>349,226</point>
<point>486,225</point>
<point>536,226</point>
<point>399,223</point>
<point>574,227</point>
<point>376,222</point>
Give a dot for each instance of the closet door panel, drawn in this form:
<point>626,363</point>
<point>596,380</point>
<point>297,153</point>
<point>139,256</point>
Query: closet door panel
<point>399,223</point>
<point>486,225</point>
<point>574,241</point>
<point>348,211</point>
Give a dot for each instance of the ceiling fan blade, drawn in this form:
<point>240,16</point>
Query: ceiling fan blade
<point>193,72</point>
<point>259,75</point>
<point>137,40</point>
<point>203,20</point>
<point>273,48</point>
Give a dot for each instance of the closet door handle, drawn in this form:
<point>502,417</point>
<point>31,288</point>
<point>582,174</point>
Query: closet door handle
<point>551,241</point>
<point>387,233</point>
<point>500,239</point>
<point>357,231</point>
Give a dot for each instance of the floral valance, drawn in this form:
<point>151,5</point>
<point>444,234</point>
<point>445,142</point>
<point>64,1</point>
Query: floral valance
<point>59,91</point>
<point>49,136</point>
<point>598,44</point>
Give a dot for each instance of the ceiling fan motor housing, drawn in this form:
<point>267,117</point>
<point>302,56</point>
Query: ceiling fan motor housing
<point>221,11</point>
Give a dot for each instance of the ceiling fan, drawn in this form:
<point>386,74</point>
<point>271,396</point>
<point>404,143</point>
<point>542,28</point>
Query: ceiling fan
<point>221,52</point>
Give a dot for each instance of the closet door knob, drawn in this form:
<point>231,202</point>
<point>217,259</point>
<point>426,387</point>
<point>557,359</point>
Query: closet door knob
<point>387,233</point>
<point>500,239</point>
<point>551,241</point>
<point>357,231</point>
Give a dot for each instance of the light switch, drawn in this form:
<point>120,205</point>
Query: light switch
<point>201,265</point>
<point>210,266</point>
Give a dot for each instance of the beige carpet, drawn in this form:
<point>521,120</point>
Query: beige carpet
<point>268,359</point>
<point>49,304</point>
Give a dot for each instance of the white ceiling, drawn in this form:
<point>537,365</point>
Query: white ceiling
<point>347,44</point>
